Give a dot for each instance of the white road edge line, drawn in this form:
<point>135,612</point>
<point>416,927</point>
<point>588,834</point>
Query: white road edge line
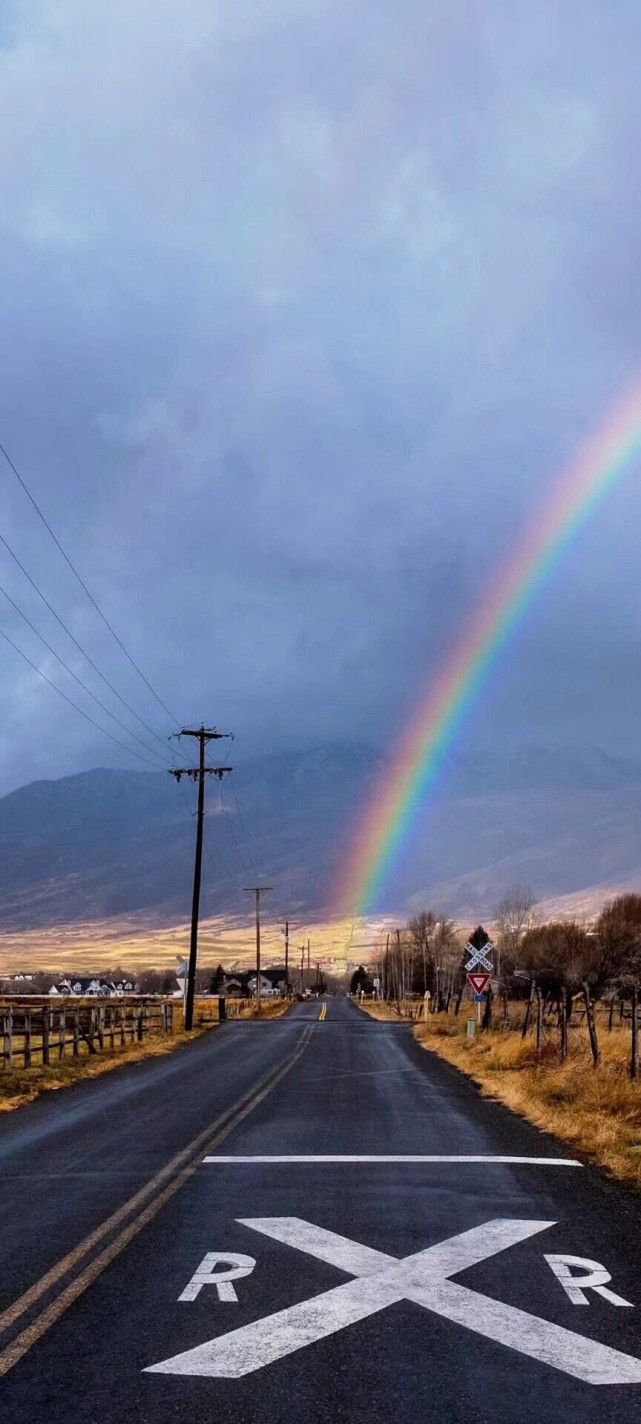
<point>398,1157</point>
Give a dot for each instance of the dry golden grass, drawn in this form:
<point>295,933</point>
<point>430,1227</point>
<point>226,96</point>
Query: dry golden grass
<point>269,1009</point>
<point>596,1111</point>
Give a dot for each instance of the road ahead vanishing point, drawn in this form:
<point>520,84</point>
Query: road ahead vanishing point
<point>308,1219</point>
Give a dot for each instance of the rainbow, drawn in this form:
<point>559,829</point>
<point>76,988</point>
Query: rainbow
<point>394,810</point>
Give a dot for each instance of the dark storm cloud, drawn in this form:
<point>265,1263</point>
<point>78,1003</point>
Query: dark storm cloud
<point>304,308</point>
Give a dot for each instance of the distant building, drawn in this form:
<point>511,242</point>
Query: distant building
<point>242,984</point>
<point>92,988</point>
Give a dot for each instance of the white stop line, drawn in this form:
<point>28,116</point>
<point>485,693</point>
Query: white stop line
<point>381,1280</point>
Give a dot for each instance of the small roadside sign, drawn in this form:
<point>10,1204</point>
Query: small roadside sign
<point>479,982</point>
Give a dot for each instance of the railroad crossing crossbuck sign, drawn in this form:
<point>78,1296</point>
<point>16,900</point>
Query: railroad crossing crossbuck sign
<point>381,1280</point>
<point>479,948</point>
<point>479,954</point>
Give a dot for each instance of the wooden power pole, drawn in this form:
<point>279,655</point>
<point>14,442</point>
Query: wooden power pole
<point>198,773</point>
<point>257,890</point>
<point>286,956</point>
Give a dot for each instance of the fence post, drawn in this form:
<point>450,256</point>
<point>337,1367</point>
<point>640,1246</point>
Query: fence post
<point>459,1000</point>
<point>112,1027</point>
<point>8,1039</point>
<point>100,1015</point>
<point>27,1038</point>
<point>589,1014</point>
<point>564,1027</point>
<point>46,1025</point>
<point>539,1021</point>
<point>139,1024</point>
<point>634,1055</point>
<point>528,1011</point>
<point>611,1013</point>
<point>487,1012</point>
<point>76,1031</point>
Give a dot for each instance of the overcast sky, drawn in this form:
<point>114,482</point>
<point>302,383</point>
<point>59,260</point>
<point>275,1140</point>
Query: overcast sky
<point>304,307</point>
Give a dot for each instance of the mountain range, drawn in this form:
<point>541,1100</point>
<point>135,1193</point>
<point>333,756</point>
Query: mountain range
<point>106,844</point>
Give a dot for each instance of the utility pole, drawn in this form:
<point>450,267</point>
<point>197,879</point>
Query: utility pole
<point>257,890</point>
<point>309,967</point>
<point>287,956</point>
<point>203,735</point>
<point>302,966</point>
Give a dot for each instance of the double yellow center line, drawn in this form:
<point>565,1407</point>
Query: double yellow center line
<point>323,1013</point>
<point>141,1208</point>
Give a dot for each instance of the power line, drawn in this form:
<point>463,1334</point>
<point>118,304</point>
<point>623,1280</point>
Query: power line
<point>243,830</point>
<point>83,585</point>
<point>74,640</point>
<point>244,861</point>
<point>130,750</point>
<point>74,675</point>
<point>212,851</point>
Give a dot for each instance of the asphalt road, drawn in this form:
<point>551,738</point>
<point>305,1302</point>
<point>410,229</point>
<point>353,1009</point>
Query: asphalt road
<point>361,1286</point>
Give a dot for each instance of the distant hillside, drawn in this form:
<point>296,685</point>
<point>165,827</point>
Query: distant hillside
<point>116,843</point>
<point>112,844</point>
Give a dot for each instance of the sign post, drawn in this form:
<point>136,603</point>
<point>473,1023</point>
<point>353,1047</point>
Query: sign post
<point>478,968</point>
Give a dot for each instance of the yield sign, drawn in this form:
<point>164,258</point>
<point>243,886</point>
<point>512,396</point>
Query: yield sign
<point>380,1280</point>
<point>479,982</point>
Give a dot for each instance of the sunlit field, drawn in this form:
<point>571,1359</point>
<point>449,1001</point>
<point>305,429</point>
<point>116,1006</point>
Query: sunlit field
<point>97,946</point>
<point>132,943</point>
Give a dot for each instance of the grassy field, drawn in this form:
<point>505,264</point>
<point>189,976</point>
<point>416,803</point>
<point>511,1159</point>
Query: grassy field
<point>596,1111</point>
<point>135,944</point>
<point>23,1085</point>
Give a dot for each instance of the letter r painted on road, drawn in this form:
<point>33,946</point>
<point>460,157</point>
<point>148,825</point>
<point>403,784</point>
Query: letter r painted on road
<point>378,1281</point>
<point>595,1278</point>
<point>207,1275</point>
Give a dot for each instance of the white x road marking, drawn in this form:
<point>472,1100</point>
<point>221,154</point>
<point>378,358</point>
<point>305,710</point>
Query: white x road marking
<point>382,1280</point>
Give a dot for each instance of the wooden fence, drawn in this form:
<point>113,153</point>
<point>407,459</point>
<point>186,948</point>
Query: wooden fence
<point>35,1032</point>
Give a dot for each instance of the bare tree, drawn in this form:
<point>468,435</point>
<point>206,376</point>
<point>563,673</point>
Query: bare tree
<point>420,933</point>
<point>433,951</point>
<point>515,916</point>
<point>447,956</point>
